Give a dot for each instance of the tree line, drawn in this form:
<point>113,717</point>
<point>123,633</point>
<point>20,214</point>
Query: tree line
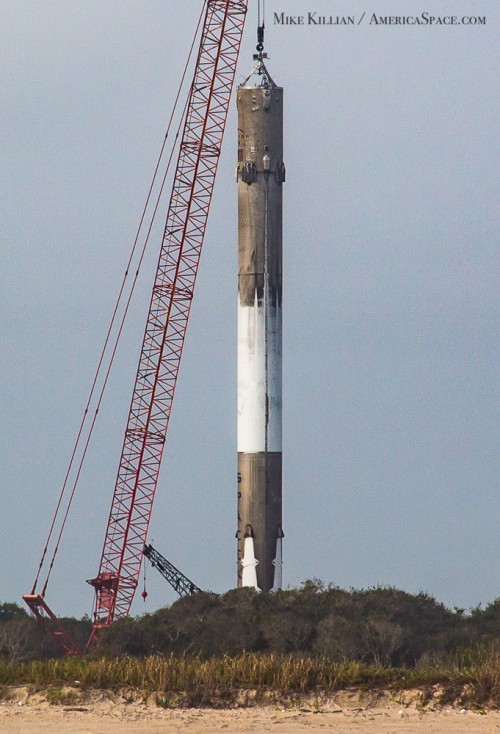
<point>385,626</point>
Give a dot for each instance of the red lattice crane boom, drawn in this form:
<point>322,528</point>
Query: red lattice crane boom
<point>170,305</point>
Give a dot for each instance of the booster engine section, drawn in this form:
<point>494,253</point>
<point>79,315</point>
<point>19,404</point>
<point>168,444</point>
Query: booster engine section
<point>260,174</point>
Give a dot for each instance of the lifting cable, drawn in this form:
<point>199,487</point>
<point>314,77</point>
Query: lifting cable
<point>261,15</point>
<point>144,590</point>
<point>261,25</point>
<point>121,295</point>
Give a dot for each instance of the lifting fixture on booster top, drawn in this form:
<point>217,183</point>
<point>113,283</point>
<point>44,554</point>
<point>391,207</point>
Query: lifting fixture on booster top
<point>199,150</point>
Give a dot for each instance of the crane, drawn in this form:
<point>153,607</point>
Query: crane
<point>177,580</point>
<point>172,292</point>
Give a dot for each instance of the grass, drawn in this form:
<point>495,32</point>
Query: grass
<point>472,679</point>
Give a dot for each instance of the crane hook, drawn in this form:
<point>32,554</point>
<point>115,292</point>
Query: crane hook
<point>260,39</point>
<point>144,592</point>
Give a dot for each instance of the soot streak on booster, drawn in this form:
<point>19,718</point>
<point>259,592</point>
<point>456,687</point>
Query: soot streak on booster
<point>260,175</point>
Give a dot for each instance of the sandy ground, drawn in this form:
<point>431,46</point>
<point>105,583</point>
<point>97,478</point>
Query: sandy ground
<point>342,715</point>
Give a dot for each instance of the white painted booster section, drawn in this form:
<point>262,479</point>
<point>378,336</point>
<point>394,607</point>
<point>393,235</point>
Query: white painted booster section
<point>259,375</point>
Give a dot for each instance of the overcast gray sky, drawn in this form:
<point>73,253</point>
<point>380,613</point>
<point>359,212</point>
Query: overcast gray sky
<point>391,353</point>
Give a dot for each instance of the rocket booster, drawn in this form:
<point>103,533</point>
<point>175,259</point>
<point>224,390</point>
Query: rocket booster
<point>260,174</point>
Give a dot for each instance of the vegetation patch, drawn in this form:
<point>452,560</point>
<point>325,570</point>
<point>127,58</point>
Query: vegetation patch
<point>242,648</point>
<point>252,678</point>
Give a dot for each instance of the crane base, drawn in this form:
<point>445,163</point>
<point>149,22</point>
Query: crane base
<point>51,624</point>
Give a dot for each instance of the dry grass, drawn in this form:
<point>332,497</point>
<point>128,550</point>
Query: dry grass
<point>473,679</point>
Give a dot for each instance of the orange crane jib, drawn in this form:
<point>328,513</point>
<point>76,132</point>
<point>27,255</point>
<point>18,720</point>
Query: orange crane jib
<point>172,293</point>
